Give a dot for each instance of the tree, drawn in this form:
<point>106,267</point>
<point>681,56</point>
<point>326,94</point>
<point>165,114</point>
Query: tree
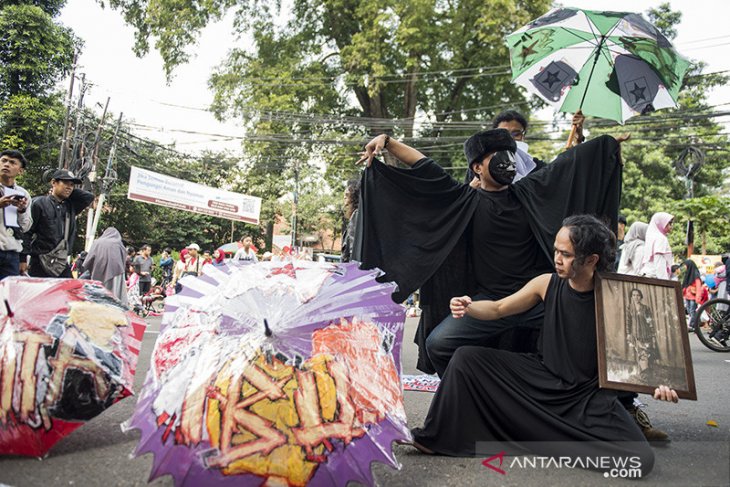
<point>35,52</point>
<point>33,124</point>
<point>397,61</point>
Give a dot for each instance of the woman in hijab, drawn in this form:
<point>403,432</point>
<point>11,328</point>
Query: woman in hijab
<point>632,250</point>
<point>218,258</point>
<point>105,262</point>
<point>692,291</point>
<point>657,261</point>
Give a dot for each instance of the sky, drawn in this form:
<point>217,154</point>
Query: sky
<point>165,112</point>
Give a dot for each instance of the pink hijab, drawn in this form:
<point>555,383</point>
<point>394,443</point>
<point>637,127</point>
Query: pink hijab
<point>656,236</point>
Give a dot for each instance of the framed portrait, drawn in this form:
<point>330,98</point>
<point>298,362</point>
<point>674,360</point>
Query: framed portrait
<point>642,335</point>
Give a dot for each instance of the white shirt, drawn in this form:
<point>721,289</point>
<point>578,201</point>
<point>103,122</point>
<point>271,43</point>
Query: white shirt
<point>10,237</point>
<point>243,254</point>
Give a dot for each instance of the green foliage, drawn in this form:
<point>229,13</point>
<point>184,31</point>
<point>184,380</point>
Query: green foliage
<point>33,125</point>
<point>51,7</point>
<point>34,51</point>
<point>665,19</point>
<point>709,214</point>
<point>393,59</point>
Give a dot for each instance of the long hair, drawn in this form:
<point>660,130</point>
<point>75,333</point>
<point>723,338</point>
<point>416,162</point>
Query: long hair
<point>352,196</point>
<point>591,236</point>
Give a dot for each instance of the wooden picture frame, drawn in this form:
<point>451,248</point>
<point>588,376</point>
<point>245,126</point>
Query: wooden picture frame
<point>642,335</point>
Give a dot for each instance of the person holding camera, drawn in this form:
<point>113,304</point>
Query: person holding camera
<point>54,225</point>
<point>16,219</point>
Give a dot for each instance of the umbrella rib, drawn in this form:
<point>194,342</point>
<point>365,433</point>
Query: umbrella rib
<point>586,39</point>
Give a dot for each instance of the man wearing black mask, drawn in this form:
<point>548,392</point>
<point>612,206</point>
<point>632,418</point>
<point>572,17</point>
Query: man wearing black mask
<point>427,231</point>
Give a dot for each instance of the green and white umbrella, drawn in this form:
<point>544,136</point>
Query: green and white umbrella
<point>611,65</point>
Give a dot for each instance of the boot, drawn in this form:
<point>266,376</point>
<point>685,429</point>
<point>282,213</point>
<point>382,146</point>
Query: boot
<point>652,435</point>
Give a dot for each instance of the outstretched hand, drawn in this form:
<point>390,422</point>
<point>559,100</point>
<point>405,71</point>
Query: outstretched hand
<point>664,393</point>
<point>458,306</point>
<point>578,119</point>
<point>372,149</point>
<point>623,137</point>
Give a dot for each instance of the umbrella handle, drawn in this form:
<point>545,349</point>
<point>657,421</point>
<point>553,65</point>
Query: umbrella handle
<point>576,134</point>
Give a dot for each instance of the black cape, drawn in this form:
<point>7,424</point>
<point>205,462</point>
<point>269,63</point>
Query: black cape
<point>548,404</point>
<point>412,222</point>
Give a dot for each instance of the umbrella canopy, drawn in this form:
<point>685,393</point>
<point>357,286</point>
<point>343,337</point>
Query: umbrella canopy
<point>68,350</point>
<point>231,247</point>
<point>275,372</point>
<point>612,65</point>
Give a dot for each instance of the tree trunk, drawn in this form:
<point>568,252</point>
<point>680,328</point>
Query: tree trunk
<point>411,97</point>
<point>269,236</point>
<point>364,99</point>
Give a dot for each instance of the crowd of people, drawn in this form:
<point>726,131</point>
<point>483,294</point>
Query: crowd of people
<point>37,236</point>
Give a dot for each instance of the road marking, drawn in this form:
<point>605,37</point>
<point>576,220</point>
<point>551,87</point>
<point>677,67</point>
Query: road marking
<point>152,332</point>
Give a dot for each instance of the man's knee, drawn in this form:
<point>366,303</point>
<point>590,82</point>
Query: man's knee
<point>435,346</point>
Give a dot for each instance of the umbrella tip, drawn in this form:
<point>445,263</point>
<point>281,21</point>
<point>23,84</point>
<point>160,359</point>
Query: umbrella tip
<point>267,330</point>
<point>7,307</point>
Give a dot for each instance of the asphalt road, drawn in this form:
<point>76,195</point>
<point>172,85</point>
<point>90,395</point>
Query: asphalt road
<point>100,453</point>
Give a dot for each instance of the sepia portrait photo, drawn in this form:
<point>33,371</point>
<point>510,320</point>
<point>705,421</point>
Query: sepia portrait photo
<point>642,335</point>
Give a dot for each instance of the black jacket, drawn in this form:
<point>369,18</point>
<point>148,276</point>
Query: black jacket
<point>49,216</point>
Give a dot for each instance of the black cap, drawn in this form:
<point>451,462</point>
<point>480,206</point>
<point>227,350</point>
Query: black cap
<point>487,141</point>
<point>64,175</point>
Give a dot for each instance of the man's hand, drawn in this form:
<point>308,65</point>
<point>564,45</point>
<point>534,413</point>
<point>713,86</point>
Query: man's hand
<point>664,393</point>
<point>372,149</point>
<point>475,183</point>
<point>6,201</point>
<point>458,306</point>
<point>578,118</point>
<point>623,137</point>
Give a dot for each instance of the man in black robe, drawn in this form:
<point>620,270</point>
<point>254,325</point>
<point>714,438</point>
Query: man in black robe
<point>427,231</point>
<point>493,401</point>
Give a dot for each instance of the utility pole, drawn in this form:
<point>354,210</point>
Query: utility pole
<point>92,175</point>
<point>110,177</point>
<point>64,139</point>
<point>77,124</point>
<point>688,165</point>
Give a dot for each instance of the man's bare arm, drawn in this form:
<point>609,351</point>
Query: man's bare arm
<point>532,293</point>
<point>406,154</point>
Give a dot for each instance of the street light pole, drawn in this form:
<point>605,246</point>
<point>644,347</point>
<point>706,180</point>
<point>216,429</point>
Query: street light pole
<point>295,206</point>
<point>688,165</point>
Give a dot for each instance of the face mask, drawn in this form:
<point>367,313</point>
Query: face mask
<point>502,167</point>
<point>522,146</point>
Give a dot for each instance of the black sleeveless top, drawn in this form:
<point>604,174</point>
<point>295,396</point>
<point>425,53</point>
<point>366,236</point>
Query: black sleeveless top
<point>568,342</point>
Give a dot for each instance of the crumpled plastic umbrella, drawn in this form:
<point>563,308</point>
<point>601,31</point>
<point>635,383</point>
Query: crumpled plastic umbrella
<point>68,351</point>
<point>612,65</point>
<point>277,373</point>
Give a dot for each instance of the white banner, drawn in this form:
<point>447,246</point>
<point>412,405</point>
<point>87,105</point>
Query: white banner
<point>158,189</point>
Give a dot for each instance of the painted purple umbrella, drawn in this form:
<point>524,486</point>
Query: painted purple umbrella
<point>275,373</point>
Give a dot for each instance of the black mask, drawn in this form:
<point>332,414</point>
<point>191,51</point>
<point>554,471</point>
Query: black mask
<point>503,167</point>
